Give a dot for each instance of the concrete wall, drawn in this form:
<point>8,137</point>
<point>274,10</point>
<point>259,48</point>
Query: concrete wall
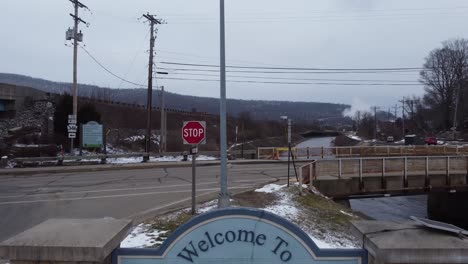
<point>19,95</point>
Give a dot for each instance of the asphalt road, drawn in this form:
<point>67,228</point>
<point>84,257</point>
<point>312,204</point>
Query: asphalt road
<point>28,200</point>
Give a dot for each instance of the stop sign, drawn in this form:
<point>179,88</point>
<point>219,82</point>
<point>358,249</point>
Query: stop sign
<point>194,132</point>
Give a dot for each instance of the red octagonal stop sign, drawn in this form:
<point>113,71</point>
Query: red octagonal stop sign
<point>194,132</point>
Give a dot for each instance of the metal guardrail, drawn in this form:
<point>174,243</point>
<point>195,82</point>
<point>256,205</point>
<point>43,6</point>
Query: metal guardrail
<point>361,151</point>
<point>104,157</point>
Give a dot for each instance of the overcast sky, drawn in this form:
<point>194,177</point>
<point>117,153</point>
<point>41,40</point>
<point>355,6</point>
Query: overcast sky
<point>294,33</point>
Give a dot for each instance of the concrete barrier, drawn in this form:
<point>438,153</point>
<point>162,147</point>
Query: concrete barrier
<point>408,243</point>
<point>67,241</point>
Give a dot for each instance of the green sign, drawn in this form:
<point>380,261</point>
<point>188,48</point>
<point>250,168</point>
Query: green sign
<point>92,135</point>
<point>238,235</point>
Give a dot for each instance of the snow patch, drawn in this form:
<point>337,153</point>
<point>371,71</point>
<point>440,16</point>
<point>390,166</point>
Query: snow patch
<point>270,188</point>
<point>346,213</point>
<point>142,236</point>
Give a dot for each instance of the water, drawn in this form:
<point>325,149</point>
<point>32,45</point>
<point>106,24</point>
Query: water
<point>392,208</point>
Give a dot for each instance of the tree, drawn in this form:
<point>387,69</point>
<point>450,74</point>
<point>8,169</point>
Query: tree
<point>444,76</point>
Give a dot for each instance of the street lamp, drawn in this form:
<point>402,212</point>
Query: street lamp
<point>223,200</point>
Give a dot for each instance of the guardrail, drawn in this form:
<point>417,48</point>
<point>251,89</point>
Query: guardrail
<point>103,157</point>
<point>360,151</point>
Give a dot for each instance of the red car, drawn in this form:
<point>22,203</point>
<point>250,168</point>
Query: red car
<point>430,141</point>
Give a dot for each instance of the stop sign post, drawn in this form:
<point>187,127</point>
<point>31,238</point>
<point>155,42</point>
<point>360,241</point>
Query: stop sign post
<point>194,133</point>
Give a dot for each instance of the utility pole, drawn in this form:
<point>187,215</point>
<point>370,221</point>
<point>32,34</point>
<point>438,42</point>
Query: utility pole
<point>77,37</point>
<point>162,143</point>
<point>223,200</point>
<point>403,117</point>
<point>375,122</point>
<point>153,21</point>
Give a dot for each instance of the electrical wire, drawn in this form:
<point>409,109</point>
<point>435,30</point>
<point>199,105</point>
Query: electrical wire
<point>107,70</point>
<point>298,79</point>
<point>291,83</point>
<point>296,68</point>
<point>276,72</point>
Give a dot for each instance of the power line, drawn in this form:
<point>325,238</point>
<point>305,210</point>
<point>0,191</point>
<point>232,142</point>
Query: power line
<point>298,83</point>
<point>107,70</point>
<point>296,68</point>
<point>275,72</point>
<point>299,79</point>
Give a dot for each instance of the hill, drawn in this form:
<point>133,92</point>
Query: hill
<point>258,109</point>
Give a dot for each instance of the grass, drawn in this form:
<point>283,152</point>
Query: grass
<point>170,223</point>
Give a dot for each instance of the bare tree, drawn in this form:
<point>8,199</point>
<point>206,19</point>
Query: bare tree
<point>444,75</point>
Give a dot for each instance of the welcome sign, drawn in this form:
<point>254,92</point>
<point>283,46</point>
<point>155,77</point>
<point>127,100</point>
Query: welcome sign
<point>233,236</point>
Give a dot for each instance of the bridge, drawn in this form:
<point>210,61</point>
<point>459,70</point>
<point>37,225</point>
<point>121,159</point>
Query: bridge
<point>443,178</point>
<point>348,177</point>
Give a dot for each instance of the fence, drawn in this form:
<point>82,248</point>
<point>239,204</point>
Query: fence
<point>361,151</point>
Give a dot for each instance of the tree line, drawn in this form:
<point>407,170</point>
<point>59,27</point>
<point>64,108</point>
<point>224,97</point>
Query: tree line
<point>441,109</point>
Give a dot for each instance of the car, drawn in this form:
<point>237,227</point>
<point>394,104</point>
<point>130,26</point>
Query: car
<point>390,139</point>
<point>430,140</point>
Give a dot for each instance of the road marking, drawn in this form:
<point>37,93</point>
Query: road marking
<point>107,190</point>
<point>116,196</point>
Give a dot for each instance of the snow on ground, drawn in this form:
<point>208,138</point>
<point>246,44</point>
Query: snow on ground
<point>142,236</point>
<point>270,188</point>
<point>286,208</point>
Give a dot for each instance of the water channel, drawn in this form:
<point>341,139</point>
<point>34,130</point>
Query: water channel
<point>387,208</point>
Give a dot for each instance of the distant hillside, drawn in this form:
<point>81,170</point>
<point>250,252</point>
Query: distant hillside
<point>272,110</point>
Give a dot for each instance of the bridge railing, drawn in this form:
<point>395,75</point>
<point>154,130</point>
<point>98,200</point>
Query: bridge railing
<point>360,151</point>
<point>385,166</point>
<point>343,177</point>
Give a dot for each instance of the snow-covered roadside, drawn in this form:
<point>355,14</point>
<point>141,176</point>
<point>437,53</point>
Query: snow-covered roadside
<point>143,236</point>
<point>284,206</point>
<point>288,208</point>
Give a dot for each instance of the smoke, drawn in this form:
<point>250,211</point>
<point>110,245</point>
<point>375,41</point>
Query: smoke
<point>357,105</point>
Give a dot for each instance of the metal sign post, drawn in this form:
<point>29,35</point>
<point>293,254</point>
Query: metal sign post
<point>289,147</point>
<point>194,151</point>
<point>194,133</point>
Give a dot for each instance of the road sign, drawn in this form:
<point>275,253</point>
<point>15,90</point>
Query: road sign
<point>194,132</point>
<point>72,128</point>
<point>72,119</point>
<point>71,135</point>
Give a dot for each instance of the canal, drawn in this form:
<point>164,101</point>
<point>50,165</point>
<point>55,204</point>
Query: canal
<point>386,208</point>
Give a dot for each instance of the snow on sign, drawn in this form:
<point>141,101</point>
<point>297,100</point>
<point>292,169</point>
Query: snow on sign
<point>239,235</point>
<point>194,132</point>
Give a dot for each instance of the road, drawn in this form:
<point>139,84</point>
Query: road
<point>28,200</point>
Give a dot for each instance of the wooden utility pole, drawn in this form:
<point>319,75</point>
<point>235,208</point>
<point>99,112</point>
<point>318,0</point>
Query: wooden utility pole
<point>153,21</point>
<point>77,37</point>
<point>163,133</point>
